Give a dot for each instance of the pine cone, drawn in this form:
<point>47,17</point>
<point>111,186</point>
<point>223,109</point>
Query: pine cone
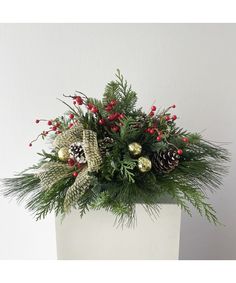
<point>165,161</point>
<point>104,145</point>
<point>140,120</point>
<point>77,152</point>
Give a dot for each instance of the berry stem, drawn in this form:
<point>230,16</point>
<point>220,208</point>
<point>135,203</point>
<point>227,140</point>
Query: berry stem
<point>84,95</point>
<point>171,144</point>
<point>41,120</point>
<point>44,133</point>
<point>71,96</point>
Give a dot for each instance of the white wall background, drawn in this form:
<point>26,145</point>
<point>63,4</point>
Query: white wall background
<point>193,66</point>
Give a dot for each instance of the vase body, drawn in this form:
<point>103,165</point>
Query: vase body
<point>95,237</point>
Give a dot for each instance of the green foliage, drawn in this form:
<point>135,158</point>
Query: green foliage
<point>128,131</point>
<point>20,187</point>
<point>125,213</point>
<point>122,92</point>
<point>126,169</point>
<point>118,186</point>
<point>48,156</point>
<point>126,95</point>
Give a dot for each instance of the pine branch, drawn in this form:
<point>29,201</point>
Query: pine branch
<point>20,187</point>
<point>124,213</point>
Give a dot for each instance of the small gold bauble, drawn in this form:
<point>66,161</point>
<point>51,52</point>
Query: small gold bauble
<point>135,148</point>
<point>144,164</point>
<point>63,154</point>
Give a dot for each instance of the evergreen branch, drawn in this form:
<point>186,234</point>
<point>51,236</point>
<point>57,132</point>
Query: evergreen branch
<point>128,131</point>
<point>20,187</point>
<point>126,169</point>
<point>118,186</point>
<point>45,201</point>
<point>125,213</point>
<point>197,199</point>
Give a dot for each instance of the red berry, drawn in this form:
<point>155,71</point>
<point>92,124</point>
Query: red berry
<point>102,122</point>
<point>117,115</point>
<point>30,144</point>
<point>151,131</point>
<point>174,117</point>
<point>70,125</point>
<point>37,121</point>
<point>113,102</point>
<point>111,117</point>
<point>185,139</point>
<point>71,162</point>
<point>173,106</point>
<point>49,123</point>
<point>94,109</point>
<point>115,128</point>
<point>151,114</point>
<point>122,116</point>
<point>54,128</point>
<point>167,118</point>
<point>159,138</point>
<point>108,108</point>
<point>71,116</point>
<point>90,106</point>
<point>75,174</point>
<point>153,108</point>
<point>180,151</point>
<point>79,100</point>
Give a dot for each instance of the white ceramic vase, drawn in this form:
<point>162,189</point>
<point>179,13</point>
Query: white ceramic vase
<point>95,236</point>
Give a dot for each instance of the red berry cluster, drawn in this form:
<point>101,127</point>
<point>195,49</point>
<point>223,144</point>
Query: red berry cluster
<point>113,118</point>
<point>109,107</point>
<point>92,108</point>
<point>152,112</point>
<point>168,118</point>
<point>72,163</point>
<point>73,120</point>
<point>78,100</point>
<point>54,127</point>
<point>152,130</point>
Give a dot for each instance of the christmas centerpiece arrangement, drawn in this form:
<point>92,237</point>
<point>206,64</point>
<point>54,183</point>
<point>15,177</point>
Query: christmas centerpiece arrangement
<point>109,154</point>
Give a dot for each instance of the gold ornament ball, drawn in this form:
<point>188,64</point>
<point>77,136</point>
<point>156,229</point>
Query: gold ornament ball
<point>135,148</point>
<point>144,164</point>
<point>63,154</point>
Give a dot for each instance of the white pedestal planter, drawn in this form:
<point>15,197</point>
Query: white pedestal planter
<point>95,237</point>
